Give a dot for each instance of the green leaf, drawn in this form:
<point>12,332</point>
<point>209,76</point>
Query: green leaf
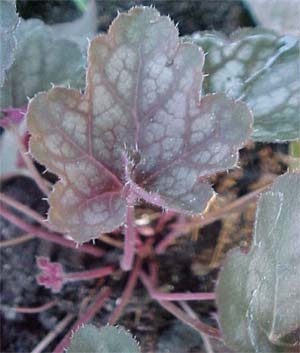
<point>80,30</point>
<point>263,69</point>
<point>258,294</point>
<point>8,23</point>
<point>41,60</point>
<point>108,339</point>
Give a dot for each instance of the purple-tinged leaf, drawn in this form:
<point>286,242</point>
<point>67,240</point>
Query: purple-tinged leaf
<point>258,294</point>
<point>138,132</point>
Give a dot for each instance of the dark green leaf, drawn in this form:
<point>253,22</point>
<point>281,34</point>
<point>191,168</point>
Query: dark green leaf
<point>258,294</point>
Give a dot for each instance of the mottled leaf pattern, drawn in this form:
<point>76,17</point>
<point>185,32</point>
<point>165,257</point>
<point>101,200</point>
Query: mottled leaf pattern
<point>261,68</point>
<point>8,23</point>
<point>40,60</point>
<point>108,339</point>
<point>138,131</point>
<point>258,294</point>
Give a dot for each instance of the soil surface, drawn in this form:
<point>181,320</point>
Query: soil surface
<point>191,264</point>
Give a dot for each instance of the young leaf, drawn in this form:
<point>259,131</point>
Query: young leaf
<point>8,23</point>
<point>263,69</point>
<point>40,60</point>
<point>258,294</point>
<point>52,274</point>
<point>108,339</point>
<point>138,131</point>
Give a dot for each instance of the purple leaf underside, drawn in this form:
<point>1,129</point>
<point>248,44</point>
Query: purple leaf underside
<point>138,131</point>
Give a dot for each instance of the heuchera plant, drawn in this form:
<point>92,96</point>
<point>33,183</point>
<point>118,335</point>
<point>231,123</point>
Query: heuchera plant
<point>143,131</point>
<point>108,339</point>
<point>139,131</point>
<point>259,312</point>
<point>261,68</point>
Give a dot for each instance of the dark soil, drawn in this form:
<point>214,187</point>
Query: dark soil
<point>190,264</point>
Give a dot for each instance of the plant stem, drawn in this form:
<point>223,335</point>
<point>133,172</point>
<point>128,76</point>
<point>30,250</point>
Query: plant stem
<point>84,318</point>
<point>45,235</point>
<point>182,296</point>
<point>26,210</point>
<point>164,218</point>
<point>294,152</point>
<point>127,292</point>
<point>236,205</point>
<point>172,236</point>
<point>40,181</point>
<point>196,324</point>
<point>19,240</point>
<point>110,241</point>
<point>205,338</point>
<point>35,310</point>
<point>90,274</point>
<point>210,217</point>
<point>130,239</point>
<point>53,334</point>
<point>155,294</point>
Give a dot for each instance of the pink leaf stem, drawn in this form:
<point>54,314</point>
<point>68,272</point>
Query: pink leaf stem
<point>205,339</point>
<point>52,275</point>
<point>130,285</point>
<point>90,274</point>
<point>235,206</point>
<point>35,310</point>
<point>196,324</point>
<point>172,236</point>
<point>182,296</point>
<point>153,273</point>
<point>25,210</point>
<point>43,184</point>
<point>163,220</point>
<point>53,334</point>
<point>84,318</point>
<point>52,237</point>
<point>174,296</point>
<point>130,239</point>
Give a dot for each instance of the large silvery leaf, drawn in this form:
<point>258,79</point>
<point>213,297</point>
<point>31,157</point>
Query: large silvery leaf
<point>108,339</point>
<point>261,68</point>
<point>41,60</point>
<point>138,131</point>
<point>80,30</point>
<point>8,23</point>
<point>258,294</point>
